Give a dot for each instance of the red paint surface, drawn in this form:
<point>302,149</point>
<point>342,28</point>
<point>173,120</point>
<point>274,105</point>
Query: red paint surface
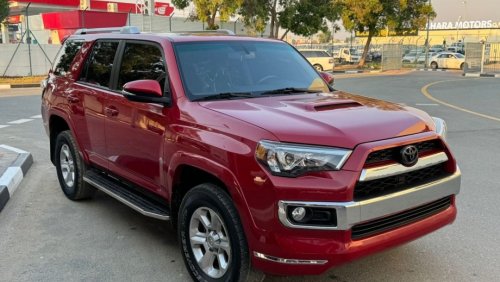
<point>67,3</point>
<point>220,138</point>
<point>161,9</point>
<point>66,23</point>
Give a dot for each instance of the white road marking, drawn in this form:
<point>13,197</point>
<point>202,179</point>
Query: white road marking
<point>427,104</point>
<point>19,151</point>
<point>37,116</point>
<point>19,121</point>
<point>3,126</point>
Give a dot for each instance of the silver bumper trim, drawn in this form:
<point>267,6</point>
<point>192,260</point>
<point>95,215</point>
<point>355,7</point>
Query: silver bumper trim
<point>352,213</point>
<point>289,261</point>
<point>395,169</point>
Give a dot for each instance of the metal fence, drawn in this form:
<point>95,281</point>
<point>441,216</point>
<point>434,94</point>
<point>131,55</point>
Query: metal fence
<point>391,56</point>
<point>482,58</point>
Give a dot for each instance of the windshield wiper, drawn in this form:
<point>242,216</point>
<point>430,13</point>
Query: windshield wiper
<point>289,90</point>
<point>225,95</point>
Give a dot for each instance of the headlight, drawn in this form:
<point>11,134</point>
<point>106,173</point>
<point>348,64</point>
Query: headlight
<point>292,160</point>
<point>440,127</point>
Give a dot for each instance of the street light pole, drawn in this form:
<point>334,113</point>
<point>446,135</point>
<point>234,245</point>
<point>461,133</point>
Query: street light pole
<point>427,39</point>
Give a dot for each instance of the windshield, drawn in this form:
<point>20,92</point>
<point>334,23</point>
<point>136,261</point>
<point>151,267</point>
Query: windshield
<point>460,56</point>
<point>253,68</point>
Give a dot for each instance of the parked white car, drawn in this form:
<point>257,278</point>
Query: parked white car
<point>320,59</point>
<point>448,60</point>
<point>421,57</point>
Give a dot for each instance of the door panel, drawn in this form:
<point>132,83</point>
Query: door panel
<point>134,139</point>
<point>134,131</point>
<point>94,91</point>
<point>93,131</point>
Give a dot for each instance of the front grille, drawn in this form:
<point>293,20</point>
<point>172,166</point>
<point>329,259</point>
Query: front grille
<point>392,154</point>
<point>391,184</point>
<point>397,220</point>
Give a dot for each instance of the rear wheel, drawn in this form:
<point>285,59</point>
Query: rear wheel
<point>70,168</point>
<point>434,65</point>
<point>318,67</point>
<point>213,243</point>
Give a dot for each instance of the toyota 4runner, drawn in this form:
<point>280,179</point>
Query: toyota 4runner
<point>245,148</point>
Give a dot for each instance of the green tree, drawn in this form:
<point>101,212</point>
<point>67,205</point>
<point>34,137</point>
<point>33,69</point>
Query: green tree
<point>303,17</point>
<point>372,15</point>
<point>207,10</point>
<point>4,10</point>
<point>307,17</point>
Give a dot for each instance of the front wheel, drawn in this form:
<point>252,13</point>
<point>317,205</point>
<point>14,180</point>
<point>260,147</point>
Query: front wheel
<point>434,65</point>
<point>213,243</point>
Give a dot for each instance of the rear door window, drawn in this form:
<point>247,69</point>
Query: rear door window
<point>66,55</point>
<point>100,63</point>
<point>141,61</point>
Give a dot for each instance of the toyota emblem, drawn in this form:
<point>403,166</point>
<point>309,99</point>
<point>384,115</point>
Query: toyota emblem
<point>409,155</point>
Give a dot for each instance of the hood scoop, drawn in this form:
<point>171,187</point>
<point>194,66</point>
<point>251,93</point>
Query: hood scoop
<point>336,106</point>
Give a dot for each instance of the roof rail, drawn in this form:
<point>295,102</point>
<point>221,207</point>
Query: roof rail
<point>124,30</point>
<point>217,31</point>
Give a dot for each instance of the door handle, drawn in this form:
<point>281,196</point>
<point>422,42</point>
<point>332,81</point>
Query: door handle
<point>111,111</point>
<point>73,99</point>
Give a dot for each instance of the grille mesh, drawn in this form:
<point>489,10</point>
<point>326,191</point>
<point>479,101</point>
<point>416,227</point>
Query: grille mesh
<point>392,154</point>
<point>391,184</point>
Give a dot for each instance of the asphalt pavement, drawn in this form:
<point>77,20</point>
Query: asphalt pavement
<point>45,237</point>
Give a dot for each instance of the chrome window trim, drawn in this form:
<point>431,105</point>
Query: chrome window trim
<point>289,261</point>
<point>378,172</point>
<point>352,213</point>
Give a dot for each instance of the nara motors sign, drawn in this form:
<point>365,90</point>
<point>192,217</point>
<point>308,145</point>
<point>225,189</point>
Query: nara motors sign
<point>464,25</point>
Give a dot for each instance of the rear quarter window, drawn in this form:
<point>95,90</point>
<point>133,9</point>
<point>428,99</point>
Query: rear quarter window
<point>65,56</point>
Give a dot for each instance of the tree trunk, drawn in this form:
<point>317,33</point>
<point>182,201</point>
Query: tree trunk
<point>276,28</point>
<point>273,20</point>
<point>284,34</point>
<point>362,60</point>
<point>211,19</point>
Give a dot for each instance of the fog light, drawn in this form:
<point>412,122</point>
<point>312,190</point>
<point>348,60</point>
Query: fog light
<point>298,214</point>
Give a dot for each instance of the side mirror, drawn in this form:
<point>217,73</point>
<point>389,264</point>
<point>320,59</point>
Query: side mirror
<point>146,87</point>
<point>146,91</point>
<point>327,77</point>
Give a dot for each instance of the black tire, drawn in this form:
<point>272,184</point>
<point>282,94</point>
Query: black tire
<point>78,189</point>
<point>318,67</point>
<point>462,65</point>
<point>210,197</point>
<point>434,65</point>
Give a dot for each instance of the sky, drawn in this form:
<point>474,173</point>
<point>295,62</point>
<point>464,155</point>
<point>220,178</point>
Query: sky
<point>451,10</point>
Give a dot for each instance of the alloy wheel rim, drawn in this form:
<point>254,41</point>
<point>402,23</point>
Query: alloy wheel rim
<point>67,166</point>
<point>209,242</point>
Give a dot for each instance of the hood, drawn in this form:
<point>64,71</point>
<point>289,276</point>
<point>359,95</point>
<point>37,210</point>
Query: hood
<point>330,119</point>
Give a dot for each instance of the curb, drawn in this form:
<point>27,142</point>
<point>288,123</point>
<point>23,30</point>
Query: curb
<point>14,174</point>
<point>481,75</point>
<point>27,85</point>
<point>430,70</point>
<point>354,71</point>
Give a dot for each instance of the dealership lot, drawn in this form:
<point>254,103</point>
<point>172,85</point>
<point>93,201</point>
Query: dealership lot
<point>45,237</point>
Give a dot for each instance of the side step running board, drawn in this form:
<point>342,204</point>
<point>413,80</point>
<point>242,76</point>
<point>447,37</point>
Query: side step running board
<point>126,195</point>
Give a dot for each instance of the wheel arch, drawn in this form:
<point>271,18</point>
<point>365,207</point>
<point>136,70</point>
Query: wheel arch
<point>57,124</point>
<point>187,170</point>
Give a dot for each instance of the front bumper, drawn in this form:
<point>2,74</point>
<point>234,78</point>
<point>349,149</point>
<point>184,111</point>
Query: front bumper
<point>352,213</point>
<point>313,250</point>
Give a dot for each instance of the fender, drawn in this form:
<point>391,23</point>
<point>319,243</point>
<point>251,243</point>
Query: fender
<point>224,174</point>
<point>61,113</point>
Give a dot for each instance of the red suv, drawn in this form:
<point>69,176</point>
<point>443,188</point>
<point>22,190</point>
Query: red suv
<point>245,148</point>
